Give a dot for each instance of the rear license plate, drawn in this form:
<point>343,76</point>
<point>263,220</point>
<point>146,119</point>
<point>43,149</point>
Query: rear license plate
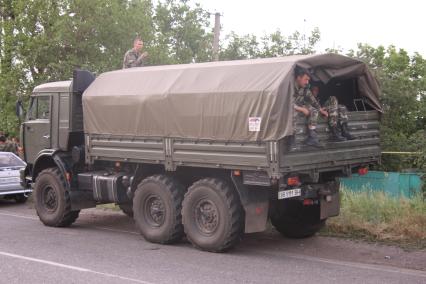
<point>289,193</point>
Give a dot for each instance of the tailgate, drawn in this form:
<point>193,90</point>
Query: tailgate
<point>364,125</point>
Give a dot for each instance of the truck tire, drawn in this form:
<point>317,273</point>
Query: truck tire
<point>293,220</point>
<point>127,209</point>
<point>212,215</point>
<point>157,207</point>
<point>52,199</point>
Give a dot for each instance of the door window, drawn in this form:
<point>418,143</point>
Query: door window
<point>40,108</point>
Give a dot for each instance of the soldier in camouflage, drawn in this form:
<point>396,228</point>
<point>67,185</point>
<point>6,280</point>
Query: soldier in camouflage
<point>337,116</point>
<point>306,103</point>
<point>135,57</point>
<point>6,146</point>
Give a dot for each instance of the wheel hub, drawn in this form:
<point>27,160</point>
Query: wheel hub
<point>155,210</point>
<point>50,200</point>
<point>206,216</point>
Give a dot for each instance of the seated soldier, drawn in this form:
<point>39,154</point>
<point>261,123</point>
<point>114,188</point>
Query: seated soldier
<point>307,104</point>
<point>337,115</point>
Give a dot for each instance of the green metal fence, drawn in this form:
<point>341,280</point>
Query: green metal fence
<point>394,184</point>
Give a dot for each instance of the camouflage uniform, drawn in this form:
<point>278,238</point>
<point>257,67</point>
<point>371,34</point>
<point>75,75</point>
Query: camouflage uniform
<point>336,113</point>
<point>132,58</point>
<point>7,147</point>
<point>304,98</point>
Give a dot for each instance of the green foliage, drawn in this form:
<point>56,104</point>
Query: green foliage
<point>181,34</point>
<point>403,83</point>
<point>270,45</point>
<point>44,40</point>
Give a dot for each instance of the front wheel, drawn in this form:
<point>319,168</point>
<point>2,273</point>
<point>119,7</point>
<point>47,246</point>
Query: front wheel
<point>293,220</point>
<point>52,199</point>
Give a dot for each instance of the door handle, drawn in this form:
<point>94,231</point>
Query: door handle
<point>46,136</point>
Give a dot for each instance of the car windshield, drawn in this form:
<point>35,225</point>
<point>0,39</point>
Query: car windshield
<point>8,159</point>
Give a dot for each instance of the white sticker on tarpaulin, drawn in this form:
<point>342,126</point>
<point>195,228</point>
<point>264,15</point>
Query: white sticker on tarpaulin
<point>254,123</point>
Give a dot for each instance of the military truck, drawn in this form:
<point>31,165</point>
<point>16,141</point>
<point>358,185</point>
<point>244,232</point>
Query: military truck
<point>197,150</point>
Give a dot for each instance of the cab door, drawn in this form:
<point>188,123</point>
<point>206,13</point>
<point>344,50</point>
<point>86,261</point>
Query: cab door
<point>37,127</point>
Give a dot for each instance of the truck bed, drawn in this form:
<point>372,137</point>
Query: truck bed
<point>257,156</point>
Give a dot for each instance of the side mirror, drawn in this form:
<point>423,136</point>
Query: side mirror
<point>19,109</point>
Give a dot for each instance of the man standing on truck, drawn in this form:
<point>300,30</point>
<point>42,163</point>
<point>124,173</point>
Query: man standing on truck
<point>307,104</point>
<point>337,115</point>
<point>135,57</point>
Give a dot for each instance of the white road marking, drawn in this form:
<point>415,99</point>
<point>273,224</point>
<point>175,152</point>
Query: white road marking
<point>376,267</point>
<point>71,267</point>
<point>358,265</point>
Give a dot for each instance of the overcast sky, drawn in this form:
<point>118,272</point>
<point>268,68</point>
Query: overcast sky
<point>342,23</point>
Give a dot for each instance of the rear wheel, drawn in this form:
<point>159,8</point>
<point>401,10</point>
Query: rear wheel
<point>212,215</point>
<point>294,220</point>
<point>157,207</point>
<point>52,199</point>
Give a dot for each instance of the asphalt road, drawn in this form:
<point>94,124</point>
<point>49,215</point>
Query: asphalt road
<point>103,246</point>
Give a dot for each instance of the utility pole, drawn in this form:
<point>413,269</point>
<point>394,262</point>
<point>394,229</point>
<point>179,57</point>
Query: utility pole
<point>216,36</point>
<point>304,35</point>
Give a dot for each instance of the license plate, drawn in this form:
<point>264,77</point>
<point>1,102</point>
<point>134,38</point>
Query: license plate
<point>289,193</point>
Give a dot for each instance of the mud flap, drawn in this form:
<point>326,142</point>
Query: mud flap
<point>330,205</point>
<point>255,201</point>
<point>256,210</point>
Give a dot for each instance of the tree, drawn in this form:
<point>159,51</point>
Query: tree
<point>44,40</point>
<point>9,74</point>
<point>270,45</point>
<point>403,83</point>
<point>181,34</point>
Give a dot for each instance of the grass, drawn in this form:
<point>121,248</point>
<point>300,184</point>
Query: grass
<point>375,216</point>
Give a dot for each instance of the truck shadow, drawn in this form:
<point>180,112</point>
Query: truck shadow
<point>269,240</point>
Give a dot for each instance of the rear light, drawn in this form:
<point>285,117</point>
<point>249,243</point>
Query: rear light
<point>307,202</point>
<point>293,181</point>
<point>362,171</point>
<point>237,173</point>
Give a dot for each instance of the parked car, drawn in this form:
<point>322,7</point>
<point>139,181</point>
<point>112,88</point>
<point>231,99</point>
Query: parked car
<point>10,182</point>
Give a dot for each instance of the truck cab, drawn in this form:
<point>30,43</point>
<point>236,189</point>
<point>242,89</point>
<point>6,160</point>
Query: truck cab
<point>54,122</point>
